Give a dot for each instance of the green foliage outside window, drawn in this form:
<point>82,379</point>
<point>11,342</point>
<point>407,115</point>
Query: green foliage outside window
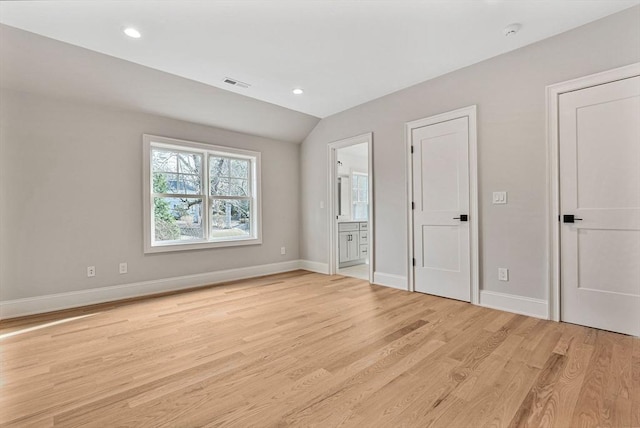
<point>166,227</point>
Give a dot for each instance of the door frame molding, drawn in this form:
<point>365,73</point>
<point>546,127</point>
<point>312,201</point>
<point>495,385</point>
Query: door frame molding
<point>332,192</point>
<point>471,113</point>
<point>553,93</point>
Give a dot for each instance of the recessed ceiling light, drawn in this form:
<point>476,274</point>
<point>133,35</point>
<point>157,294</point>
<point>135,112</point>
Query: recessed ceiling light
<point>298,91</point>
<point>132,32</point>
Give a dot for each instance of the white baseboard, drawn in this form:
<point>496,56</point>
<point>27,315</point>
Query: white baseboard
<point>389,280</point>
<point>314,266</point>
<point>520,305</point>
<point>59,301</point>
<point>53,302</point>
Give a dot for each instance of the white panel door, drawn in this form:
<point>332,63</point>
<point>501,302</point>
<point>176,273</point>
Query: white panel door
<point>441,197</point>
<point>599,138</point>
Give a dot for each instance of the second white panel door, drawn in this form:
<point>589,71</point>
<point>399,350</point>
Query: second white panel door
<point>441,211</point>
<point>600,203</point>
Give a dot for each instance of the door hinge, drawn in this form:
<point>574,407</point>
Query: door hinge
<point>413,261</point>
<point>411,149</point>
<point>413,205</point>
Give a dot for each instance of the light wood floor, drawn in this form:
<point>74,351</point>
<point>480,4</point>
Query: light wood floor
<point>303,349</point>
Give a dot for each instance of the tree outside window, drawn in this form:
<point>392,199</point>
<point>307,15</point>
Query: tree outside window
<point>200,194</point>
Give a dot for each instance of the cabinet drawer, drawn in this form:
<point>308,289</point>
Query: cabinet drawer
<point>364,251</point>
<point>364,226</point>
<point>364,237</point>
<point>347,227</point>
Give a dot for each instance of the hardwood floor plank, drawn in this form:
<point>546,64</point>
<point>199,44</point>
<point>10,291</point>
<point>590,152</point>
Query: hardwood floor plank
<point>384,406</point>
<point>618,390</point>
<point>558,411</point>
<point>532,410</point>
<point>635,383</point>
<point>366,376</point>
<point>592,407</point>
<point>305,349</point>
<point>515,392</point>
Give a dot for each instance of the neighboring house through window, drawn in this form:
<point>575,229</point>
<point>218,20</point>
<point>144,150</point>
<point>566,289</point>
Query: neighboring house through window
<point>199,195</point>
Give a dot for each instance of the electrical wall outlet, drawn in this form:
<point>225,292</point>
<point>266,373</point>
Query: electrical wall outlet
<point>283,250</point>
<point>503,274</point>
<point>91,271</point>
<point>123,267</point>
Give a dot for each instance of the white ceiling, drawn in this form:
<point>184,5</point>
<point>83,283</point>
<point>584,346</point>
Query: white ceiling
<point>342,53</point>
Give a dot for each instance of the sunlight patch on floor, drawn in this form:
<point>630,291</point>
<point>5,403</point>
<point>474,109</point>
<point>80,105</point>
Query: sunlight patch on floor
<point>41,326</point>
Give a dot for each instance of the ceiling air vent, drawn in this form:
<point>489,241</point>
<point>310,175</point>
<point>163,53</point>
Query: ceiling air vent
<point>235,82</point>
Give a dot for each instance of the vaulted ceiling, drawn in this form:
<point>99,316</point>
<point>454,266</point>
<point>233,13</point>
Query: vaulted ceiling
<point>341,53</point>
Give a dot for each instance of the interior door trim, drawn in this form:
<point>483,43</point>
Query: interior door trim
<point>331,195</point>
<point>553,93</point>
<point>470,113</point>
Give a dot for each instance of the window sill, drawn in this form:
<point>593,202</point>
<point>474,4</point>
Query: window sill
<point>199,245</point>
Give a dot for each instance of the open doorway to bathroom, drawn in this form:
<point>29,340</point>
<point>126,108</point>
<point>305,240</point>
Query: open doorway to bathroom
<point>351,214</point>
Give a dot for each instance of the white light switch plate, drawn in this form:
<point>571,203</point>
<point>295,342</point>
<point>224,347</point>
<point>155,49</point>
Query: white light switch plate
<point>499,197</point>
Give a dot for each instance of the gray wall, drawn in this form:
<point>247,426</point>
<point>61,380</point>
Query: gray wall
<point>509,91</point>
<point>71,196</point>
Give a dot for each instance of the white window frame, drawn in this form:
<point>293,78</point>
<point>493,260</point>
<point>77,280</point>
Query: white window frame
<point>356,199</point>
<point>150,245</point>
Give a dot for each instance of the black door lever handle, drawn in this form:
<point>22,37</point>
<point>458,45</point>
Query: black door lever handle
<point>569,218</point>
<point>463,217</point>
